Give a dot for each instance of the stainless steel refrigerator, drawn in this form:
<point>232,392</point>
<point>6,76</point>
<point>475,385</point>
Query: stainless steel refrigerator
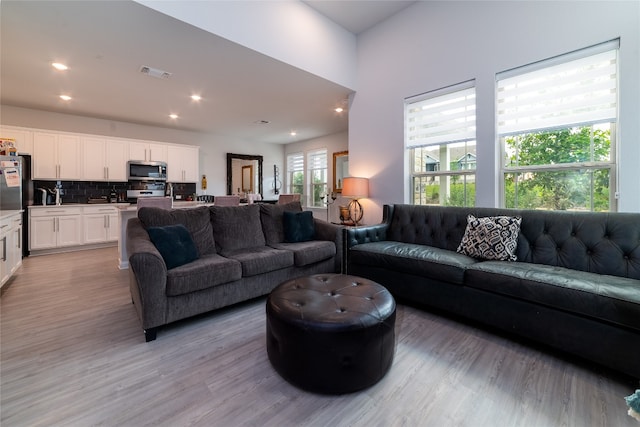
<point>17,197</point>
<point>10,183</point>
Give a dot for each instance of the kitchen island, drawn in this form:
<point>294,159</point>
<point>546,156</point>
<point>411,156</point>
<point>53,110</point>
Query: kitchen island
<point>72,227</point>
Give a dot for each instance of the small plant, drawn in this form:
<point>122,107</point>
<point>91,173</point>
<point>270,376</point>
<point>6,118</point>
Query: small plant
<point>634,404</point>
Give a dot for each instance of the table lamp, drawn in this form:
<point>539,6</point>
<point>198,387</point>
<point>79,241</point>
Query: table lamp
<point>356,188</point>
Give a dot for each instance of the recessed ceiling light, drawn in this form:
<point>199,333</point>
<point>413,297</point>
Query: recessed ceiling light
<point>339,110</point>
<point>59,66</point>
<point>173,116</point>
<point>293,133</point>
<point>65,97</point>
<point>196,97</point>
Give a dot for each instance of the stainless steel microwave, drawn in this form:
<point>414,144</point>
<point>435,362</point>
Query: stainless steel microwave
<point>139,170</point>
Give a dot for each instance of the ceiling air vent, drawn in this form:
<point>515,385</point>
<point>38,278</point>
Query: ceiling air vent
<point>154,72</point>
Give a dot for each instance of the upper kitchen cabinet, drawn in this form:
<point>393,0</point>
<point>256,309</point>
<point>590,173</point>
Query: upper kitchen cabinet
<point>56,156</point>
<point>182,163</point>
<point>105,159</point>
<point>147,151</point>
<point>23,137</point>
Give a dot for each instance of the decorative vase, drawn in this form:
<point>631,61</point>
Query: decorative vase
<point>344,214</point>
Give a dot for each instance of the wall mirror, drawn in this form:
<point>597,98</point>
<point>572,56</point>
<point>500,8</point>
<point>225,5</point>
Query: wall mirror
<point>241,174</point>
<point>340,169</point>
<point>247,179</point>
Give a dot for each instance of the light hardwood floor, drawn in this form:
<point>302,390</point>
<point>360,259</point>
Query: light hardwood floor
<point>73,354</point>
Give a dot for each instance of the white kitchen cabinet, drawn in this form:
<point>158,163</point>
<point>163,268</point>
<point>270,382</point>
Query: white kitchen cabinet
<point>15,240</point>
<point>100,224</point>
<point>23,137</point>
<point>55,227</point>
<point>105,159</point>
<point>10,246</point>
<point>147,151</point>
<point>5,268</point>
<point>56,156</point>
<point>182,163</point>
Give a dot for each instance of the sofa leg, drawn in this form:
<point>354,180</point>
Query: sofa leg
<point>150,334</point>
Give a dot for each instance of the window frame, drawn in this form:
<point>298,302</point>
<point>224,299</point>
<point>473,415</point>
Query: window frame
<point>445,140</point>
<point>296,158</point>
<point>590,166</point>
<point>313,157</point>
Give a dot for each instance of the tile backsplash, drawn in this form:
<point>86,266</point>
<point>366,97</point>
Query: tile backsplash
<point>81,191</point>
<point>181,191</point>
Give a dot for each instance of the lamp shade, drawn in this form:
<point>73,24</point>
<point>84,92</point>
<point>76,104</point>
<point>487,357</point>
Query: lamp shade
<point>355,187</point>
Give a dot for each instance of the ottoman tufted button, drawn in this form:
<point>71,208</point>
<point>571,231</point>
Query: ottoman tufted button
<point>336,345</point>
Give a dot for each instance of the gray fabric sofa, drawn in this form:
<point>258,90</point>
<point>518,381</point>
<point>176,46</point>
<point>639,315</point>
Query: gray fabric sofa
<point>242,255</point>
<point>575,285</point>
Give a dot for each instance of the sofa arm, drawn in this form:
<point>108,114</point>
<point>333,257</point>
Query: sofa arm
<point>148,276</point>
<point>332,232</point>
<point>365,234</point>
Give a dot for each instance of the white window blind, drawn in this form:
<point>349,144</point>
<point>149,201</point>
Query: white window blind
<point>295,162</point>
<point>317,159</point>
<point>575,92</point>
<point>445,115</point>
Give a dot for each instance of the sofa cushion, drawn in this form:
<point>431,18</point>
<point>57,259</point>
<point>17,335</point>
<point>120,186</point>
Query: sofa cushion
<point>174,244</point>
<point>494,237</point>
<point>196,220</point>
<point>307,253</point>
<point>420,260</point>
<point>206,272</point>
<point>609,298</point>
<point>272,223</point>
<point>236,227</point>
<point>261,259</point>
<point>298,226</point>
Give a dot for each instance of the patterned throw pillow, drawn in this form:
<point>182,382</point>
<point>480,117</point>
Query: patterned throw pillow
<point>493,237</point>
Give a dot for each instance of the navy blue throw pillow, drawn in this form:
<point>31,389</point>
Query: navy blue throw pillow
<point>174,244</point>
<point>298,226</point>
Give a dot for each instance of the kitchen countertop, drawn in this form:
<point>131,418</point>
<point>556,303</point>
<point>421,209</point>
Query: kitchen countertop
<point>177,204</point>
<point>9,214</point>
<point>71,205</point>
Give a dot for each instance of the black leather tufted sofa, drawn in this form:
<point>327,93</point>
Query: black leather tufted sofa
<point>575,285</point>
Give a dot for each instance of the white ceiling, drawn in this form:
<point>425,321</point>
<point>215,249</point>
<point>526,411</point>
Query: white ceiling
<point>105,43</point>
<point>358,15</point>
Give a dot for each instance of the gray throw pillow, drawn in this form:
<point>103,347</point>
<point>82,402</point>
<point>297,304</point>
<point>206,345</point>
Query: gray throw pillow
<point>196,220</point>
<point>494,238</point>
<point>236,227</point>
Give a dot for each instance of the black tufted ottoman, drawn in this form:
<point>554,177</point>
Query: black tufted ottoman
<point>331,333</point>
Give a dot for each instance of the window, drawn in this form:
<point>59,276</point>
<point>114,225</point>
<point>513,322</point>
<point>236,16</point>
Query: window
<point>556,127</point>
<point>295,173</point>
<point>317,177</point>
<point>313,178</point>
<point>440,134</point>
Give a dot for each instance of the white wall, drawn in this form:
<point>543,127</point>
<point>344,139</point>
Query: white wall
<point>213,148</point>
<point>333,144</point>
<point>288,30</point>
<point>435,44</point>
